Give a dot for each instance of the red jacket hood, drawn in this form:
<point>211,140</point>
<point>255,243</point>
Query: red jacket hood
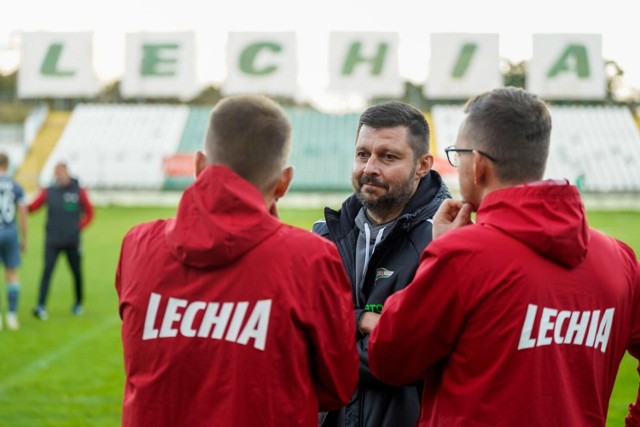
<point>548,216</point>
<point>220,217</point>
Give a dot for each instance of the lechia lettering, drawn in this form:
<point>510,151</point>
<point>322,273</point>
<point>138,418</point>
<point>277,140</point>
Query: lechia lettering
<point>228,321</point>
<point>588,328</point>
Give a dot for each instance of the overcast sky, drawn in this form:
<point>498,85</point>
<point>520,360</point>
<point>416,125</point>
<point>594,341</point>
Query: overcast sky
<point>514,21</point>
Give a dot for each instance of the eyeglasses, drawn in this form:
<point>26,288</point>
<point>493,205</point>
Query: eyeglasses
<point>453,154</point>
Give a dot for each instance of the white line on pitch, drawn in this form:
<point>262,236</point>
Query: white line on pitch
<point>44,362</point>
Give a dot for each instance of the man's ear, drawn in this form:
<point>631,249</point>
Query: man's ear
<point>282,186</point>
<point>479,168</point>
<point>200,162</point>
<point>425,163</point>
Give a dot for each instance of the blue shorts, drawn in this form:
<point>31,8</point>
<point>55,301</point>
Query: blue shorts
<point>9,247</point>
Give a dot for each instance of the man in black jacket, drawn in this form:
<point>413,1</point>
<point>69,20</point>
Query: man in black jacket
<point>68,212</point>
<point>380,231</point>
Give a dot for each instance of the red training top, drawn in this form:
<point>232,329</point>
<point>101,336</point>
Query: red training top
<point>232,318</point>
<point>519,320</point>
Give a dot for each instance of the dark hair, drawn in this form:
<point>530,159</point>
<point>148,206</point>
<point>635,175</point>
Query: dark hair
<point>252,135</point>
<point>392,114</point>
<point>4,161</point>
<point>514,127</point>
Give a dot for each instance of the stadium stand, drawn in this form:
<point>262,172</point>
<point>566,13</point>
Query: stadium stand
<point>40,148</point>
<point>322,154</point>
<point>445,121</point>
<point>150,147</point>
<point>118,146</point>
<point>598,144</point>
<point>11,133</point>
<point>34,122</point>
<point>595,147</point>
<point>192,140</point>
<point>11,137</point>
<point>128,147</point>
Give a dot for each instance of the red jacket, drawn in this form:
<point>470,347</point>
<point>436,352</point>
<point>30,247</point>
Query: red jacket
<point>519,320</point>
<point>230,317</point>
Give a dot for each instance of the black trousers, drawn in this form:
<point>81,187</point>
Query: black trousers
<point>51,253</point>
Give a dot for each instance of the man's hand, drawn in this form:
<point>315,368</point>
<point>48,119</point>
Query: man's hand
<point>367,321</point>
<point>452,214</point>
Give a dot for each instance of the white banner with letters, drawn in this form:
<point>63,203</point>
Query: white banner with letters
<point>57,65</point>
<point>463,65</point>
<point>261,62</point>
<point>160,65</point>
<point>163,65</point>
<point>364,64</point>
<point>567,66</point>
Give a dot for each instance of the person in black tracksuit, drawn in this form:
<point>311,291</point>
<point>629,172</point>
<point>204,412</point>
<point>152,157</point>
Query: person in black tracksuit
<point>68,212</point>
<point>381,231</point>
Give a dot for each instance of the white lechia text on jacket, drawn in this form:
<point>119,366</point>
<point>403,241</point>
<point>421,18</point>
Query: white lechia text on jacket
<point>179,315</point>
<point>552,329</point>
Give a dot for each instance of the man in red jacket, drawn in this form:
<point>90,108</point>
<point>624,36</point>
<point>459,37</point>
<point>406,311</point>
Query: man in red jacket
<point>229,316</point>
<point>522,318</point>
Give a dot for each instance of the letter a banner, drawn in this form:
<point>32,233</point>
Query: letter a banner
<point>57,65</point>
<point>567,67</point>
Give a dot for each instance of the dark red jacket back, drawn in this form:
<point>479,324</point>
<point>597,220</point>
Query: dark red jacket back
<point>230,317</point>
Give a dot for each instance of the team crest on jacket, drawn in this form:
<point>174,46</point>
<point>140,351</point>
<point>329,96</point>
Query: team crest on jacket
<point>383,273</point>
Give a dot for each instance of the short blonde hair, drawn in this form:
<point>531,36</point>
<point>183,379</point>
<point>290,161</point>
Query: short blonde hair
<point>252,135</point>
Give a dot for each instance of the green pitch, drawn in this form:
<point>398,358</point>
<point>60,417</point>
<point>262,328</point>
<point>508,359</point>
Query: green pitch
<point>68,371</point>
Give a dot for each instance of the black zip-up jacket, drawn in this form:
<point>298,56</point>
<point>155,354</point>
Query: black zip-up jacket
<point>391,268</point>
<point>64,211</point>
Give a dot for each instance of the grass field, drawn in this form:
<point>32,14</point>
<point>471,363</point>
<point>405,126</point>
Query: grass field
<point>68,371</point>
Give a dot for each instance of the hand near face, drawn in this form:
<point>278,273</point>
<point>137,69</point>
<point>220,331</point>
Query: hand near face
<point>452,214</point>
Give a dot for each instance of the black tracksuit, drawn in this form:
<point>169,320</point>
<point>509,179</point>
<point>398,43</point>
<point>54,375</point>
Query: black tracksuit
<point>62,235</point>
<point>391,267</point>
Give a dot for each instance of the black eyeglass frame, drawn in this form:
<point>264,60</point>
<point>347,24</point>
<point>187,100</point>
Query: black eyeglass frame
<point>454,149</point>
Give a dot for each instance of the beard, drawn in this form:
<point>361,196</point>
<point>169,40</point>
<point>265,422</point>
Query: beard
<point>388,202</point>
